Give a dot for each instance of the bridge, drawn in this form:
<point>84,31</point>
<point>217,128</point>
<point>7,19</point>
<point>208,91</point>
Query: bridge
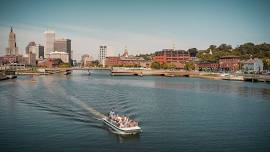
<point>88,68</point>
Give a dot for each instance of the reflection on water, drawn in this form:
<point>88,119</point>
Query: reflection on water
<point>174,113</point>
<point>122,138</point>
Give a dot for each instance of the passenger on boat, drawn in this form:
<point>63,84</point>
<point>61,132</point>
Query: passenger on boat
<point>122,121</point>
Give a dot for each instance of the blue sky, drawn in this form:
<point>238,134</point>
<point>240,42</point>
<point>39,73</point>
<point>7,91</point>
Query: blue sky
<point>142,25</point>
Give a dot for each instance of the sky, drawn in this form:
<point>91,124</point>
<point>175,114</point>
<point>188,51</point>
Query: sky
<point>143,26</point>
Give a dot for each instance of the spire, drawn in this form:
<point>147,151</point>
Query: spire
<point>125,52</point>
<point>173,46</point>
<point>11,29</point>
<point>210,52</point>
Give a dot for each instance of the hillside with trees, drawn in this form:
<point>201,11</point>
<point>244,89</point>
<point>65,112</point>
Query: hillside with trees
<point>244,51</point>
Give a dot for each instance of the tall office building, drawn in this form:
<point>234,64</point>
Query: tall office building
<point>49,42</point>
<point>28,46</point>
<point>63,45</point>
<point>38,50</point>
<point>12,47</point>
<point>102,55</point>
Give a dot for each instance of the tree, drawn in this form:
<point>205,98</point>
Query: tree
<point>212,47</point>
<point>155,65</point>
<point>95,63</point>
<point>171,66</point>
<point>266,64</point>
<point>64,65</point>
<point>224,47</point>
<point>146,57</point>
<point>164,66</point>
<point>193,52</point>
<point>189,66</point>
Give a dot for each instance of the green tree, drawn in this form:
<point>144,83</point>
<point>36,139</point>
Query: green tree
<point>64,65</point>
<point>171,66</point>
<point>164,66</point>
<point>189,66</point>
<point>193,52</point>
<point>95,63</point>
<point>155,65</point>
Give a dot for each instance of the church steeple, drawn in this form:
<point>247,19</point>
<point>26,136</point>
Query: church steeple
<point>12,47</point>
<point>125,52</point>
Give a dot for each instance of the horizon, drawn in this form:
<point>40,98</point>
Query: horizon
<point>142,26</point>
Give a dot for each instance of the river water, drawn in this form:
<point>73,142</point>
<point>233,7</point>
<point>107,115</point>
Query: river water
<point>62,113</point>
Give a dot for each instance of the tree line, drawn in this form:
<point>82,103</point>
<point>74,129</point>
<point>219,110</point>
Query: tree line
<point>244,51</point>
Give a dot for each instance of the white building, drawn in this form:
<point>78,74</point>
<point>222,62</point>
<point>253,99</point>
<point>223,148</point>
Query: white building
<point>86,60</point>
<point>59,55</point>
<point>49,37</point>
<point>102,55</point>
<point>38,50</point>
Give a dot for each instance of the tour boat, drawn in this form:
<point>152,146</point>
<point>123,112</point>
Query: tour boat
<point>68,72</point>
<point>119,128</point>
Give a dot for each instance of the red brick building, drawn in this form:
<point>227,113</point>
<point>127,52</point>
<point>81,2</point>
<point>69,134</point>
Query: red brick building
<point>229,63</point>
<point>49,63</point>
<point>177,57</point>
<point>112,61</point>
<point>212,66</point>
<point>126,60</point>
<point>8,59</point>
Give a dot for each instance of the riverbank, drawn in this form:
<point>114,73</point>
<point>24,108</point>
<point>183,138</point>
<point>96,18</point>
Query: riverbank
<point>192,74</point>
<point>207,76</point>
<point>152,72</point>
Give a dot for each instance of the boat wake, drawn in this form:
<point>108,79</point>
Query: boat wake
<point>57,101</point>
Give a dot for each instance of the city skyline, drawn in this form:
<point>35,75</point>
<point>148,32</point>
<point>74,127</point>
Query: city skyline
<point>142,26</point>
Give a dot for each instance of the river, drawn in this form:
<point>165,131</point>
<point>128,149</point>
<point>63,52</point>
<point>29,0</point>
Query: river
<point>62,113</point>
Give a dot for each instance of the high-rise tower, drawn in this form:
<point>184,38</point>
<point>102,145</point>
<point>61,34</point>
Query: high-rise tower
<point>49,42</point>
<point>63,45</point>
<point>102,55</point>
<point>12,47</point>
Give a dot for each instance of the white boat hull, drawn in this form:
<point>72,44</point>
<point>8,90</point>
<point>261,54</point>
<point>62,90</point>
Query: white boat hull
<point>124,131</point>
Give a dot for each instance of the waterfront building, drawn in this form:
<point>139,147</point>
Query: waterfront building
<point>12,48</point>
<point>59,55</point>
<point>28,46</point>
<point>10,59</point>
<point>102,55</point>
<point>112,61</point>
<point>49,63</point>
<point>207,66</point>
<point>38,50</point>
<point>176,57</point>
<point>229,63</point>
<point>131,60</point>
<point>63,45</point>
<point>86,60</point>
<point>49,37</point>
<point>29,59</point>
<point>253,65</point>
<point>126,60</point>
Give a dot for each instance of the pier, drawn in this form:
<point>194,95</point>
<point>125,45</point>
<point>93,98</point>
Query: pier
<point>256,77</point>
<point>7,74</point>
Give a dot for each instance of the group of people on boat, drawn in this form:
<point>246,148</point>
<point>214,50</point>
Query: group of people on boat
<point>122,121</point>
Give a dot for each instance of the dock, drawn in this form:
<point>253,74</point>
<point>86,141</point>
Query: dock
<point>256,77</point>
